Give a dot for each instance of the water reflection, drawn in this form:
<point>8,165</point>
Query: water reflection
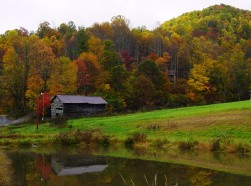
<point>81,167</point>
<point>74,165</point>
<point>6,172</point>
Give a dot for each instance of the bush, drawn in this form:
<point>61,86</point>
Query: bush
<point>159,142</point>
<point>129,142</point>
<point>153,127</point>
<point>5,142</point>
<point>177,100</point>
<point>139,137</point>
<point>60,120</point>
<point>243,148</point>
<point>25,143</point>
<point>187,145</point>
<point>104,140</point>
<point>66,139</point>
<point>135,138</point>
<point>86,137</point>
<point>215,145</point>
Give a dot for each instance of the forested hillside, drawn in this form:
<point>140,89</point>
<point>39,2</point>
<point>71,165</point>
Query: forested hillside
<point>200,57</point>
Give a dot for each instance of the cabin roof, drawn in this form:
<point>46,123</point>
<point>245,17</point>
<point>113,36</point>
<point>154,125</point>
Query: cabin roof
<point>78,99</point>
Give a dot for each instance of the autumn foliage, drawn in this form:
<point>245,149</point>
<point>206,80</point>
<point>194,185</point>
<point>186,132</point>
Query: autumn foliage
<point>43,104</point>
<point>200,57</point>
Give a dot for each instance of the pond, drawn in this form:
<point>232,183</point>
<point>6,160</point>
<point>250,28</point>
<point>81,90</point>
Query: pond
<point>95,167</point>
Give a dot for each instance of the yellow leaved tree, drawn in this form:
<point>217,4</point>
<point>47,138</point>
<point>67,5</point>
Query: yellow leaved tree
<point>63,78</point>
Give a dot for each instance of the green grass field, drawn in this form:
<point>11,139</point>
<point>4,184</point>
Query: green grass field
<point>202,127</point>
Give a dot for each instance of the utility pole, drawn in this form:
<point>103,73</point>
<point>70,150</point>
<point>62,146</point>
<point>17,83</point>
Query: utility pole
<point>42,94</point>
<point>37,119</point>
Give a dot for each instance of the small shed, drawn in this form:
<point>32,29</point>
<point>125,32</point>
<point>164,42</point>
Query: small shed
<point>76,105</point>
<point>250,94</point>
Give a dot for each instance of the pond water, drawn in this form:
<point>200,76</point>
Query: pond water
<point>139,167</point>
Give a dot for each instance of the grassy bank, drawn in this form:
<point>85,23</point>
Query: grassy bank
<point>218,127</point>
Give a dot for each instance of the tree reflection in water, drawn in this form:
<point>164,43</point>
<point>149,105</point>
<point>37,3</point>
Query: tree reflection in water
<point>29,168</point>
<point>6,173</point>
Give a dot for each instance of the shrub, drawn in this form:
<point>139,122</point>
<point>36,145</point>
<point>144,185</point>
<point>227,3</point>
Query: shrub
<point>215,145</point>
<point>25,143</point>
<point>159,142</point>
<point>60,120</point>
<point>177,100</point>
<point>135,138</point>
<point>12,136</point>
<point>104,140</point>
<point>153,127</point>
<point>243,148</point>
<point>187,145</point>
<point>85,137</point>
<point>66,139</point>
<point>129,142</point>
<point>5,142</point>
<point>139,137</point>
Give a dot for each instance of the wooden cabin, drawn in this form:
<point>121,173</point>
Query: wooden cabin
<point>76,105</point>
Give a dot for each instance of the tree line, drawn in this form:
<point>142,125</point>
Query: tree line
<point>201,57</point>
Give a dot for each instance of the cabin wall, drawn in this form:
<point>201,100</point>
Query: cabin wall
<point>57,108</point>
<point>72,109</point>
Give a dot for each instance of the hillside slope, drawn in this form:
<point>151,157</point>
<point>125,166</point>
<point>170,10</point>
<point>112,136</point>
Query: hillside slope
<point>223,127</point>
<point>214,22</point>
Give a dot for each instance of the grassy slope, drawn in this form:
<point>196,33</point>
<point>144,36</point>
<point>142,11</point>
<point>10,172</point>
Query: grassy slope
<point>231,121</point>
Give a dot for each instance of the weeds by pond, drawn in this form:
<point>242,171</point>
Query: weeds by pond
<point>153,181</point>
<point>82,137</point>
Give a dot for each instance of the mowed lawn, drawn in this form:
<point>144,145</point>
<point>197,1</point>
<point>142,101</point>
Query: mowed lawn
<point>225,120</point>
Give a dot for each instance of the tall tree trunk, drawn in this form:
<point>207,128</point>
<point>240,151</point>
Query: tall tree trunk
<point>26,74</point>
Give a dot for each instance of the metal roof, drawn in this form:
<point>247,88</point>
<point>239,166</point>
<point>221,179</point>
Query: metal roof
<point>80,99</point>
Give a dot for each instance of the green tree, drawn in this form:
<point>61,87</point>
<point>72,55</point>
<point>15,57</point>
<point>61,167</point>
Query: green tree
<point>143,93</point>
<point>68,34</point>
<point>238,73</point>
<point>152,72</point>
<point>109,57</point>
<point>82,41</point>
<point>116,88</point>
<point>44,30</point>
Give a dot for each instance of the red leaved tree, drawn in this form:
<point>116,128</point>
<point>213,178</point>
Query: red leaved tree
<point>126,59</point>
<point>43,104</point>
